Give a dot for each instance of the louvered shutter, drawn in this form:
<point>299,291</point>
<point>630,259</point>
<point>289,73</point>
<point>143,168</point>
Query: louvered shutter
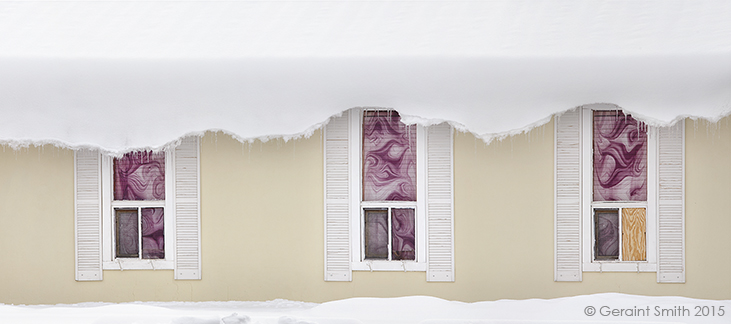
<point>88,214</point>
<point>567,177</point>
<point>439,208</point>
<point>337,198</point>
<point>671,209</point>
<point>187,210</point>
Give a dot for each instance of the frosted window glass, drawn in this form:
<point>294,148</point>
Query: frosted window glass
<point>606,234</point>
<point>126,233</point>
<point>376,233</point>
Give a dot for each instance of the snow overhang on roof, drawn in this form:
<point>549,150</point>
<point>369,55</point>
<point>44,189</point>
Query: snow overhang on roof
<point>125,75</point>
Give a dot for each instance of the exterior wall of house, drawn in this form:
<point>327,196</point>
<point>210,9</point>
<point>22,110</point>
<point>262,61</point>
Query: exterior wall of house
<point>262,227</point>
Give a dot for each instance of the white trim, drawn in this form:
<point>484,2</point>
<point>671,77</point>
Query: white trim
<point>138,264</point>
<point>355,186</point>
<point>356,206</point>
<point>586,142</point>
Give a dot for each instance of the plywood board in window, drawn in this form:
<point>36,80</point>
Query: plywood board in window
<point>633,234</point>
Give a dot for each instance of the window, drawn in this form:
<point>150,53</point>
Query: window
<point>388,196</point>
<point>390,226</point>
<point>135,220</point>
<point>619,195</point>
<point>138,211</point>
<point>621,148</point>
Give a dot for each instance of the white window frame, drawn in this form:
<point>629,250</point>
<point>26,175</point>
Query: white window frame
<point>109,261</point>
<point>358,262</point>
<point>588,205</point>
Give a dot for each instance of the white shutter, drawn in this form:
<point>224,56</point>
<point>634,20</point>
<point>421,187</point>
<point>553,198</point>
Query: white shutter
<point>439,207</point>
<point>88,214</point>
<point>567,200</point>
<point>187,210</point>
<point>671,209</point>
<point>337,197</point>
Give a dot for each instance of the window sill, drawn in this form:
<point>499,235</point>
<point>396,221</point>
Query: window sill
<point>389,266</point>
<point>134,264</point>
<point>615,266</point>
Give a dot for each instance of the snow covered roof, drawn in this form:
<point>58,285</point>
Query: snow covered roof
<point>127,74</point>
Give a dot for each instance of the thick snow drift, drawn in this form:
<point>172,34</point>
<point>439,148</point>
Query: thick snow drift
<point>126,75</point>
<point>601,308</point>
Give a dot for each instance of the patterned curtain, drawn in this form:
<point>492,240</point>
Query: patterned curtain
<point>153,233</point>
<point>404,234</point>
<point>140,176</point>
<point>620,157</point>
<point>389,158</point>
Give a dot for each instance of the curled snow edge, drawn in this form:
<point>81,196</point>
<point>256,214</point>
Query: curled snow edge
<point>17,144</point>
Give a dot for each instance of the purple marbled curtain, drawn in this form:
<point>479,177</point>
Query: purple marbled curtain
<point>606,233</point>
<point>153,233</point>
<point>620,157</point>
<point>140,176</point>
<point>389,158</point>
<point>404,234</point>
<point>376,234</point>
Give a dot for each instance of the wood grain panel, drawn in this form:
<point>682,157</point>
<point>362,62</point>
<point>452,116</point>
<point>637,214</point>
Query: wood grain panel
<point>633,234</point>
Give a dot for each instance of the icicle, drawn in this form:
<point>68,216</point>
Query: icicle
<point>249,144</point>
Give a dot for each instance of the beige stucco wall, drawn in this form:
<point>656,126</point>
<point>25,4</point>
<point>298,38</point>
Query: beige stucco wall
<point>262,227</point>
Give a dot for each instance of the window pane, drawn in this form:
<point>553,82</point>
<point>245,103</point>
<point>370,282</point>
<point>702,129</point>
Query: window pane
<point>404,233</point>
<point>140,176</point>
<point>620,157</point>
<point>153,233</point>
<point>606,231</point>
<point>389,157</point>
<point>126,233</point>
<point>376,234</point>
<point>633,234</point>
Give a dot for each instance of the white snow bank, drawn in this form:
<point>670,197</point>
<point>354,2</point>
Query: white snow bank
<point>130,75</point>
<point>600,308</point>
<point>123,104</point>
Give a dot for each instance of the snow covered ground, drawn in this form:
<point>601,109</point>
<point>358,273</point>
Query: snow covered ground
<point>599,308</point>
